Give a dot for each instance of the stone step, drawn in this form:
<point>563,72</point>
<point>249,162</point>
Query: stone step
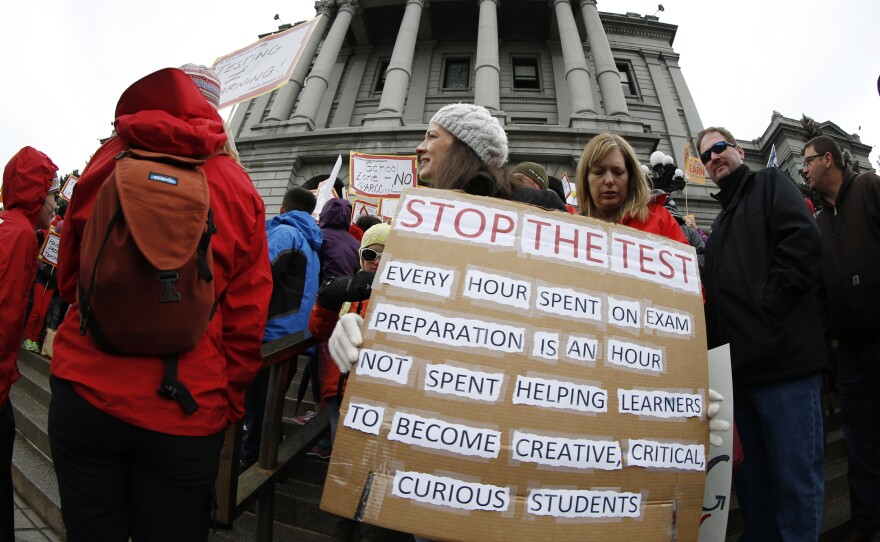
<point>298,503</point>
<point>34,383</point>
<point>34,479</point>
<point>245,530</point>
<point>311,471</point>
<point>32,359</point>
<point>31,419</point>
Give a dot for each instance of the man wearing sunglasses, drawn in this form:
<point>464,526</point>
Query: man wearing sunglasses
<point>848,221</point>
<point>762,261</point>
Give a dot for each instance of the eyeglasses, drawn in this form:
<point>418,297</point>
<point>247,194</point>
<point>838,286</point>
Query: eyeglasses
<point>49,209</point>
<point>370,255</point>
<point>717,148</point>
<point>808,159</point>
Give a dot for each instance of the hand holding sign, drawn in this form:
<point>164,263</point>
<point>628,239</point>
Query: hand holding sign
<point>345,341</point>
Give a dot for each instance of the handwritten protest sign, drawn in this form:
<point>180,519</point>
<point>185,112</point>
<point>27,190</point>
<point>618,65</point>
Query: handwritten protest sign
<point>262,66</point>
<point>67,190</point>
<point>363,208</point>
<point>525,375</point>
<point>49,250</point>
<point>389,207</point>
<point>381,175</point>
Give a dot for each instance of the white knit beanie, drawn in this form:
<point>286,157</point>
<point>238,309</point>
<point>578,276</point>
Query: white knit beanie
<point>476,128</point>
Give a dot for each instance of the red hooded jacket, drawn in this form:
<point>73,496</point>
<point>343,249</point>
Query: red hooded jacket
<point>165,112</point>
<point>26,180</point>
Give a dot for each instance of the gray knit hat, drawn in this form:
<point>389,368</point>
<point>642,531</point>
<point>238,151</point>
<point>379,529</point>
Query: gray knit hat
<point>477,129</point>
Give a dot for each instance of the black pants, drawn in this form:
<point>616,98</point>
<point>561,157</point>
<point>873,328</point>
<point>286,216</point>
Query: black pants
<point>7,503</point>
<point>118,481</point>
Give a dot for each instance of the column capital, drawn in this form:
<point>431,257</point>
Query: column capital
<point>671,59</point>
<point>496,2</point>
<point>349,5</point>
<point>424,4</point>
<point>553,3</point>
<point>583,3</point>
<point>652,57</point>
<point>324,7</point>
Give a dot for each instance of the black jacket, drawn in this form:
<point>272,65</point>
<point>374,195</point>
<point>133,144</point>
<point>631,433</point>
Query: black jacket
<point>849,295</point>
<point>762,264</point>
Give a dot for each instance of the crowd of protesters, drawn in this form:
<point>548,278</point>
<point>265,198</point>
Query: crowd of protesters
<point>789,291</point>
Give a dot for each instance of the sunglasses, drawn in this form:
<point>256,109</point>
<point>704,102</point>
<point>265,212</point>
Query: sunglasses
<point>717,148</point>
<point>370,255</point>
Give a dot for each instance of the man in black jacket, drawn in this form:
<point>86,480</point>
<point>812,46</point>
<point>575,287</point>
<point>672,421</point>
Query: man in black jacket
<point>762,263</point>
<point>849,295</point>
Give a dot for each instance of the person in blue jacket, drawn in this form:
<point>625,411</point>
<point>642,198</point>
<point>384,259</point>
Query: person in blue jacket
<point>294,240</point>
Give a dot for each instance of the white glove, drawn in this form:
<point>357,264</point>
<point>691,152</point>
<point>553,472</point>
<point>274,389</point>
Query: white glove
<point>345,340</point>
<point>716,426</point>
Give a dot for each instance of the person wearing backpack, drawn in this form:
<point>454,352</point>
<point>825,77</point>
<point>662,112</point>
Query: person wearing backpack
<point>294,240</point>
<point>26,181</point>
<point>136,422</point>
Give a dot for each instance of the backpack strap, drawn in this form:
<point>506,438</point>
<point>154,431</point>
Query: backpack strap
<point>175,390</point>
<point>84,295</point>
<point>202,249</point>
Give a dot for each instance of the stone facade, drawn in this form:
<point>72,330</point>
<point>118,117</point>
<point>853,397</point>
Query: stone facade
<point>554,73</point>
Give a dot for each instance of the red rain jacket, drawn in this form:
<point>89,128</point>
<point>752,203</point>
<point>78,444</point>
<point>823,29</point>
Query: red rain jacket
<point>165,112</point>
<point>26,180</point>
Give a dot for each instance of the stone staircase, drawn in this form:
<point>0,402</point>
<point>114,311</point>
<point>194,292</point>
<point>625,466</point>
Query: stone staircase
<point>297,513</point>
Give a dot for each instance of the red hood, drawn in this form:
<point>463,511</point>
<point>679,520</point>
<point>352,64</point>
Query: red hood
<point>26,180</point>
<point>166,112</point>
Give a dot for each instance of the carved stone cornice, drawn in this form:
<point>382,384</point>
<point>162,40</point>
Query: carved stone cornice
<point>639,32</point>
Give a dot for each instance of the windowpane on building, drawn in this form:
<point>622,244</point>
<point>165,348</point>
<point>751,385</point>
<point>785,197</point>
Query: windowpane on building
<point>457,73</point>
<point>626,79</point>
<point>380,76</point>
<point>525,73</point>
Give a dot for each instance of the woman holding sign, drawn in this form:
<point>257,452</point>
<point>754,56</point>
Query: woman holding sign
<point>612,187</point>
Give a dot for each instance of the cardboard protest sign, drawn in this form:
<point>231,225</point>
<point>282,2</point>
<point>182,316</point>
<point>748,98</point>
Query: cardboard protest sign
<point>67,190</point>
<point>525,375</point>
<point>381,175</point>
<point>49,250</point>
<point>262,66</point>
<point>360,207</point>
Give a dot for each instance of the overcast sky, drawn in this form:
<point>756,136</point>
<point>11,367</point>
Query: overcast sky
<point>67,62</point>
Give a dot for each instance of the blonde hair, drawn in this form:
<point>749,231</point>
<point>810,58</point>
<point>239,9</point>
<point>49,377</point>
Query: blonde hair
<point>229,147</point>
<point>638,193</point>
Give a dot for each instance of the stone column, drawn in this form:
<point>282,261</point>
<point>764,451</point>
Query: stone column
<point>576,72</point>
<point>287,95</point>
<point>318,80</point>
<point>613,99</point>
<point>694,124</point>
<point>674,129</point>
<point>487,88</point>
<point>399,71</point>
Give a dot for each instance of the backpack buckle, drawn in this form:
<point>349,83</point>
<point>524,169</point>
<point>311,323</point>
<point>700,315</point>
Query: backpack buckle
<point>168,391</point>
<point>168,279</point>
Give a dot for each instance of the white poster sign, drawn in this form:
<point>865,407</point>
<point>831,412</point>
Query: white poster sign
<point>262,66</point>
